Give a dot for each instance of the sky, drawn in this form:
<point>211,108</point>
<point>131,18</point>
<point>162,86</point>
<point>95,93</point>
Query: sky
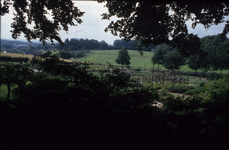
<point>93,26</point>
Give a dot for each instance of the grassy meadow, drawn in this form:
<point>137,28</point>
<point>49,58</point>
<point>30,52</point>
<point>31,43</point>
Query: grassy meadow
<point>16,55</point>
<point>104,56</point>
<point>137,61</point>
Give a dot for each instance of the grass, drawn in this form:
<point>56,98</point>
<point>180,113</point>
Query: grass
<point>137,61</point>
<point>3,92</point>
<point>104,56</point>
<point>16,55</point>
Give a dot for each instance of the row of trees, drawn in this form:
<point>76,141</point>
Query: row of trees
<point>79,44</point>
<point>216,49</point>
<point>168,57</point>
<point>76,44</point>
<point>118,44</point>
<point>215,55</point>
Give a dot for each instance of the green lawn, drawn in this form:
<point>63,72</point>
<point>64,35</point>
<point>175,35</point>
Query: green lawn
<point>137,61</point>
<point>104,56</point>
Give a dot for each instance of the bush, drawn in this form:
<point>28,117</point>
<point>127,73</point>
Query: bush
<point>194,91</point>
<point>181,89</point>
<point>164,92</point>
<point>14,59</point>
<point>201,84</point>
<point>213,76</point>
<point>65,55</point>
<point>78,54</point>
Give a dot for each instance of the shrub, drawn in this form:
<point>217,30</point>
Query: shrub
<point>164,92</point>
<point>14,59</point>
<point>213,76</point>
<point>66,55</point>
<point>181,89</point>
<point>194,91</point>
<point>201,84</point>
<point>78,54</point>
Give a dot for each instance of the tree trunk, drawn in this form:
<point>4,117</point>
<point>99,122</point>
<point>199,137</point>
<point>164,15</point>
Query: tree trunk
<point>9,90</point>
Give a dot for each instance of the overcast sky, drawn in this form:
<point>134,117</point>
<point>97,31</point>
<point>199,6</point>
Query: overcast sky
<point>93,27</point>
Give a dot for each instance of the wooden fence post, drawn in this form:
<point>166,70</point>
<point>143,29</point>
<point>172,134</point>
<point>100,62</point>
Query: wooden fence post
<point>180,75</point>
<point>163,75</point>
<point>188,78</point>
<point>144,73</point>
<point>152,75</point>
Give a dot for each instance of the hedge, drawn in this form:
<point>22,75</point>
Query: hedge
<point>14,59</point>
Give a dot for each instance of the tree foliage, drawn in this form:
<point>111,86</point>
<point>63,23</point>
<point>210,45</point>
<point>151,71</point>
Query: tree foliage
<point>123,57</point>
<point>216,49</point>
<point>76,102</point>
<point>194,62</point>
<point>63,13</point>
<point>160,25</point>
<point>77,44</point>
<point>168,56</point>
<point>173,60</point>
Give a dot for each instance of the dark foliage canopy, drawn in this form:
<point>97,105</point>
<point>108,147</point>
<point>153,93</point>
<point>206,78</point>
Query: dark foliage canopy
<point>26,12</point>
<point>152,23</point>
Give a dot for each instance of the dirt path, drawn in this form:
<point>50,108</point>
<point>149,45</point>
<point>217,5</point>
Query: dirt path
<point>177,94</point>
<point>181,95</point>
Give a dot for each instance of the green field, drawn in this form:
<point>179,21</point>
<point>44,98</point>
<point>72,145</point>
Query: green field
<point>137,61</point>
<point>104,56</point>
<point>16,55</point>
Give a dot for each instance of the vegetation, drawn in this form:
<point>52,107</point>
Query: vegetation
<point>14,59</point>
<point>123,57</point>
<point>194,91</point>
<point>180,89</point>
<point>80,102</point>
<point>163,27</point>
<point>66,103</point>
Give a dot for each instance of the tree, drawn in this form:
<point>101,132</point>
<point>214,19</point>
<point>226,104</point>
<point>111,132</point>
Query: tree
<point>173,60</point>
<point>123,57</point>
<point>216,49</point>
<point>103,45</point>
<point>66,55</point>
<point>158,57</point>
<point>194,62</point>
<point>32,48</point>
<point>27,12</point>
<point>7,46</point>
<point>160,52</point>
<point>151,23</point>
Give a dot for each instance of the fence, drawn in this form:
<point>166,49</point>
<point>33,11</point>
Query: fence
<point>150,77</point>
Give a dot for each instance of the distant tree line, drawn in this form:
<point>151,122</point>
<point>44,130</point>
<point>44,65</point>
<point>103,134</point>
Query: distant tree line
<point>80,44</point>
<point>118,44</point>
<point>92,44</point>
